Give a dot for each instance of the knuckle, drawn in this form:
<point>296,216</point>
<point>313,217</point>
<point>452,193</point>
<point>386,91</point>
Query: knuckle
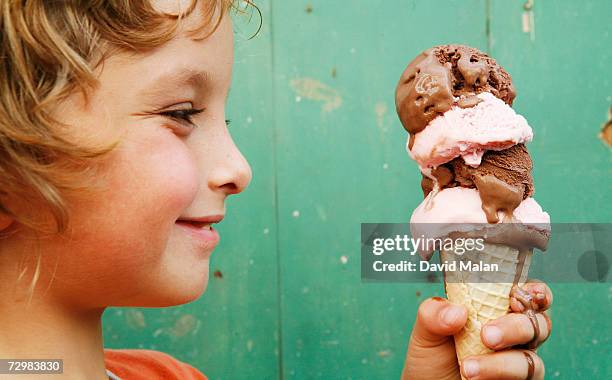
<point>544,322</point>
<point>491,367</point>
<point>548,322</point>
<point>539,367</point>
<point>523,327</point>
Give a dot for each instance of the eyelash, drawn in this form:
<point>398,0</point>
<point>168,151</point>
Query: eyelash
<point>183,114</point>
<point>186,114</point>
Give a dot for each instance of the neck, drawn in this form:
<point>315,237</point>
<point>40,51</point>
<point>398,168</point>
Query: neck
<point>42,328</point>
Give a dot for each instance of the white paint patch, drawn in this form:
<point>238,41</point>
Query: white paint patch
<point>344,259</point>
<point>295,213</point>
<point>380,109</point>
<point>322,214</point>
<point>309,88</point>
<point>384,353</point>
<point>135,319</point>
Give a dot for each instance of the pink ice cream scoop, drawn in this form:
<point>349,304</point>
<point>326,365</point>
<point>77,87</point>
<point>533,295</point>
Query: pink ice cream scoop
<point>469,132</point>
<point>459,209</point>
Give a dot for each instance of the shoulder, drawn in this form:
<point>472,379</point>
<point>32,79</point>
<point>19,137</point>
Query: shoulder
<point>136,364</point>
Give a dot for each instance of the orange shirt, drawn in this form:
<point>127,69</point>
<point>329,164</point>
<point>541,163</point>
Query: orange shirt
<point>141,364</point>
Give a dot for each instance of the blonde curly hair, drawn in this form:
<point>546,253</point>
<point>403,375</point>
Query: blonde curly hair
<point>49,50</point>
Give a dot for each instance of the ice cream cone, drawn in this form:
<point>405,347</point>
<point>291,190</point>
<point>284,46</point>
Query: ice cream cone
<point>486,295</point>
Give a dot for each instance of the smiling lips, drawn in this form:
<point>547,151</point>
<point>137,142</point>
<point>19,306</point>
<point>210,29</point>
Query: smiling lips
<point>202,221</point>
<point>198,224</point>
<point>201,228</point>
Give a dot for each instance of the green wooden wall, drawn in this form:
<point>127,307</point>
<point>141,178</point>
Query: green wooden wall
<point>312,108</point>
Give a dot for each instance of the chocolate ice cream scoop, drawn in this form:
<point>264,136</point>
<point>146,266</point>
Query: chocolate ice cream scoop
<point>503,179</point>
<point>431,82</point>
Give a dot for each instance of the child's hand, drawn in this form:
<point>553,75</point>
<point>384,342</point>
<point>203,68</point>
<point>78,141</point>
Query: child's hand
<point>431,351</point>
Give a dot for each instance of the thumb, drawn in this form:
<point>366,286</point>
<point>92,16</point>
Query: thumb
<point>437,319</point>
<point>431,351</point>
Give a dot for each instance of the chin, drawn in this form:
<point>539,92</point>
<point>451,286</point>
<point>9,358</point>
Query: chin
<point>187,291</point>
<point>183,289</point>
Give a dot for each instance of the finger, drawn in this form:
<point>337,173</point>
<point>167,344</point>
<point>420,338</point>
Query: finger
<point>437,319</point>
<point>540,292</point>
<point>513,329</point>
<point>504,365</point>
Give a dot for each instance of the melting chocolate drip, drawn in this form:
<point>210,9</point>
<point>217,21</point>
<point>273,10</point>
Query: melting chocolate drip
<point>503,179</point>
<point>529,305</point>
<point>497,195</point>
<point>527,301</point>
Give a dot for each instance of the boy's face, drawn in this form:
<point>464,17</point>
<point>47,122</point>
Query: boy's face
<point>126,247</point>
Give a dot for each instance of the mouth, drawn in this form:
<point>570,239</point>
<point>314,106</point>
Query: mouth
<point>199,225</point>
<point>201,228</point>
<point>202,221</point>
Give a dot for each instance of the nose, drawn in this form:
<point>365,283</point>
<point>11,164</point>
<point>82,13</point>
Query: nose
<point>232,174</point>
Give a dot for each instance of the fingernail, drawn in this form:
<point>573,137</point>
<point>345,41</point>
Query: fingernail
<point>471,368</point>
<point>493,335</point>
<point>451,314</point>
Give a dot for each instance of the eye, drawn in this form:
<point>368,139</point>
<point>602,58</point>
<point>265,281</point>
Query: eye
<point>183,115</point>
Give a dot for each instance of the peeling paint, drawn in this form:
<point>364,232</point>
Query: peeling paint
<point>380,109</point>
<point>606,130</point>
<point>384,353</point>
<point>135,319</point>
<point>309,88</point>
<point>331,342</point>
<point>322,214</point>
<point>184,325</point>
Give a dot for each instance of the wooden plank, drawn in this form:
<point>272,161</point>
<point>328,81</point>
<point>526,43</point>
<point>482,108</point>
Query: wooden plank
<point>342,161</point>
<point>564,90</point>
<point>562,76</point>
<point>231,331</point>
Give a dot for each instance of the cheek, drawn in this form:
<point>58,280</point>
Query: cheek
<point>123,231</point>
<point>169,180</point>
<point>160,182</point>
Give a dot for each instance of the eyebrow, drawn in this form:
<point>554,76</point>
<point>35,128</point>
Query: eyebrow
<point>164,83</point>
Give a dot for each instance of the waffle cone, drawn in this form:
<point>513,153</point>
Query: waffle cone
<point>486,295</point>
